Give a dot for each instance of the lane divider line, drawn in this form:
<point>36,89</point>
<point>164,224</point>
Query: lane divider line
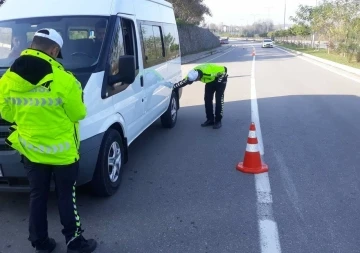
<point>268,229</point>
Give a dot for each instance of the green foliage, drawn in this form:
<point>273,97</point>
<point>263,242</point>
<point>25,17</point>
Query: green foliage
<point>335,21</point>
<point>190,11</point>
<point>303,15</point>
<point>300,30</point>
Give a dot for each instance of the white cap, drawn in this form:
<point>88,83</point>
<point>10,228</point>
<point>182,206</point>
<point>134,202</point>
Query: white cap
<point>53,35</point>
<point>193,75</point>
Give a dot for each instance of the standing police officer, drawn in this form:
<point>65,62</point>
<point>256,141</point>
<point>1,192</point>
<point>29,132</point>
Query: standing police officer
<point>215,79</point>
<point>45,104</point>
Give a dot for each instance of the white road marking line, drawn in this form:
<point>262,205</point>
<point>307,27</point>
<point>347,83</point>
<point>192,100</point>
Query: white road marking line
<point>269,235</point>
<point>322,65</point>
<point>268,230</point>
<point>254,109</point>
<point>263,189</point>
<point>221,55</point>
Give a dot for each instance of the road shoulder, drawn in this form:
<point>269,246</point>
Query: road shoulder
<point>324,61</point>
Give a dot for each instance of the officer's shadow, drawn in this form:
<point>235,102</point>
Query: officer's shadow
<point>238,76</point>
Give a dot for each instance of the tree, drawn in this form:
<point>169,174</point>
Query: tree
<point>190,11</point>
<point>304,15</point>
<point>336,21</point>
<point>2,1</point>
<point>301,31</point>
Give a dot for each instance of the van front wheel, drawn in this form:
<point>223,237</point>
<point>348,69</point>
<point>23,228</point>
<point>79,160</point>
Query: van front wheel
<point>169,118</point>
<point>109,168</point>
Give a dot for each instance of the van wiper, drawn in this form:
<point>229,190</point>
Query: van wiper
<point>32,22</point>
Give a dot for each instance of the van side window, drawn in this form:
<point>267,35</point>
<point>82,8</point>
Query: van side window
<point>171,41</point>
<point>153,44</point>
<point>159,44</point>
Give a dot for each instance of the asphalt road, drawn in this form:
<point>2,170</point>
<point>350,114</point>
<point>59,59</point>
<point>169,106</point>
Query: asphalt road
<point>181,192</point>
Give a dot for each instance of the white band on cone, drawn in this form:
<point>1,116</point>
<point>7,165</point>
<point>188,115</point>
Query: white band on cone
<point>252,148</point>
<point>252,134</point>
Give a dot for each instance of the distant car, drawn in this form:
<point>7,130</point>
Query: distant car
<point>224,40</point>
<point>267,43</point>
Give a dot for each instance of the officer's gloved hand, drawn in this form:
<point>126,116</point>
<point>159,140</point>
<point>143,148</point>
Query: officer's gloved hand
<point>189,82</point>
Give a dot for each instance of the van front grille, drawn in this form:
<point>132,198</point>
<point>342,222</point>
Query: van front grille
<point>4,133</point>
<point>4,122</point>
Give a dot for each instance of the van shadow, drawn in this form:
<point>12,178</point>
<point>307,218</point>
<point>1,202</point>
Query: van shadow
<point>170,170</point>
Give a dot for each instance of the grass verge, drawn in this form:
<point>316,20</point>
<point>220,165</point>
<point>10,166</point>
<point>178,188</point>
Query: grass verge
<point>322,53</point>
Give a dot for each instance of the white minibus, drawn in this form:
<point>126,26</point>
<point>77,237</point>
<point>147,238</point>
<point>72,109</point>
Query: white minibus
<point>125,53</point>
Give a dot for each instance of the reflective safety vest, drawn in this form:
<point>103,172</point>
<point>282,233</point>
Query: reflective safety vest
<point>210,71</point>
<point>45,104</point>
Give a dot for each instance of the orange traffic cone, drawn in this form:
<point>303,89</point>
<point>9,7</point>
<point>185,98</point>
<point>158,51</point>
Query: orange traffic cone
<point>252,161</point>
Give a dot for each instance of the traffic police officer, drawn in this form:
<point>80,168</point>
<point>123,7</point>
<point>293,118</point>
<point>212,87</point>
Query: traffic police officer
<point>215,79</point>
<point>44,102</point>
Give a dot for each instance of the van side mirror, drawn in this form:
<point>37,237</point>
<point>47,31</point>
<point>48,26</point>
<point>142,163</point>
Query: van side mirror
<point>126,71</point>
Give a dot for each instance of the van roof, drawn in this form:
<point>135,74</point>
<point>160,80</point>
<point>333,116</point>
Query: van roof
<point>15,9</point>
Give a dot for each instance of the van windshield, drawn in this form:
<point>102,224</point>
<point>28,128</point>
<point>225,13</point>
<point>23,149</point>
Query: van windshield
<point>83,38</point>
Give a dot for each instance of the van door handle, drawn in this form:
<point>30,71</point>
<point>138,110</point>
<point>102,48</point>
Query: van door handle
<point>142,81</point>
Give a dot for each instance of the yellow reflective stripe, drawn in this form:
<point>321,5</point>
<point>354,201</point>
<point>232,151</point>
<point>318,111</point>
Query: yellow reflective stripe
<point>77,218</point>
<point>222,105</point>
<point>35,101</point>
<point>54,149</point>
<point>39,90</point>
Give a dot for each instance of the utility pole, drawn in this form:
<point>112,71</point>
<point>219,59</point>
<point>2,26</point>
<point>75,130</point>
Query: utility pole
<point>285,16</point>
<point>313,35</point>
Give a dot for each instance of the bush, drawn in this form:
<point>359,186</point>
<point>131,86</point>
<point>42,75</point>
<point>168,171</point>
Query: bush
<point>358,57</point>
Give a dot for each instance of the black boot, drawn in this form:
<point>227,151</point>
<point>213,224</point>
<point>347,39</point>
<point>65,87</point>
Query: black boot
<point>217,125</point>
<point>46,246</point>
<point>80,245</point>
<point>207,123</point>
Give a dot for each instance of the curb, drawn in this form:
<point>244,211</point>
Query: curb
<point>207,55</point>
<point>327,62</point>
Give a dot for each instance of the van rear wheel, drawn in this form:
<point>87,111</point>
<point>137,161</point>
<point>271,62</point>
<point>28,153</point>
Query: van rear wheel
<point>169,118</point>
<point>109,168</point>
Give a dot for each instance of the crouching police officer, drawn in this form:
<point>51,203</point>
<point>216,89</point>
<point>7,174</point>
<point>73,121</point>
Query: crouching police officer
<point>45,104</point>
<point>215,79</point>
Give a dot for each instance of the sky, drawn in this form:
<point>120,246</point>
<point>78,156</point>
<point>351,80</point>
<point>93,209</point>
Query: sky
<point>236,12</point>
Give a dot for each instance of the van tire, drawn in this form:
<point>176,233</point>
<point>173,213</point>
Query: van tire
<point>112,145</point>
<point>169,118</point>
